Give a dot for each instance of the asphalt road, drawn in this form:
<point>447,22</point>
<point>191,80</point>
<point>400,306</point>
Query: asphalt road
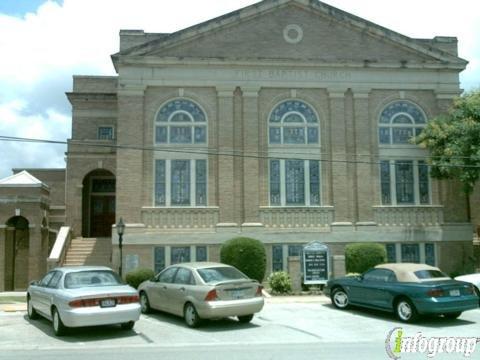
<point>280,331</point>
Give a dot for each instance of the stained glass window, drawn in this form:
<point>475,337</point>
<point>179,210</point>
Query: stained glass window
<point>180,254</point>
<point>295,182</point>
<point>275,197</point>
<point>391,253</point>
<point>201,182</point>
<point>293,122</point>
<point>105,133</point>
<point>314,182</point>
<point>385,182</point>
<point>201,253</point>
<point>277,258</point>
<point>399,122</point>
<point>404,181</point>
<point>430,254</point>
<point>181,121</point>
<point>160,189</point>
<point>410,253</point>
<point>295,250</point>
<point>159,259</point>
<point>423,183</point>
<point>180,182</point>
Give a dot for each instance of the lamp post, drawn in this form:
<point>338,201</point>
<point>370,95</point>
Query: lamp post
<point>120,230</point>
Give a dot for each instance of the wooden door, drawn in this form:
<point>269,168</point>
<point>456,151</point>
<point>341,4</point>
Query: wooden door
<point>102,215</point>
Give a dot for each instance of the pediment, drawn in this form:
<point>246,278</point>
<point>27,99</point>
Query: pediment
<point>292,30</point>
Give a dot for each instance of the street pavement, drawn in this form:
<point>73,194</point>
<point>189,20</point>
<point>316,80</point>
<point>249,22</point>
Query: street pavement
<point>287,328</point>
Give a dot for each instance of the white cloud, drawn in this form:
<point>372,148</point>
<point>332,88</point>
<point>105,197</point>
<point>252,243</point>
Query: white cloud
<point>41,51</point>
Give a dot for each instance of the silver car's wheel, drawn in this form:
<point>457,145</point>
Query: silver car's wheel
<point>191,316</point>
<point>340,298</point>
<point>144,303</point>
<point>58,327</point>
<point>405,310</point>
<point>32,313</point>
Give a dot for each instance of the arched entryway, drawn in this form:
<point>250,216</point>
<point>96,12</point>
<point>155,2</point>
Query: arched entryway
<point>17,244</point>
<point>98,203</point>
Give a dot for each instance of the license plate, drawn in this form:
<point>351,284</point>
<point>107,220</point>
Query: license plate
<point>238,294</point>
<point>455,292</point>
<point>108,303</point>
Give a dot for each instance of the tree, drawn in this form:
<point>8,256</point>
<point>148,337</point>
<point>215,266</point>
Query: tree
<point>453,140</point>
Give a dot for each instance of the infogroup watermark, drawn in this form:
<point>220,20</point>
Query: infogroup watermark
<point>397,344</point>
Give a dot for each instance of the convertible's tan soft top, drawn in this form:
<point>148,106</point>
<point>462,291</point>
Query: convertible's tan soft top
<point>405,272</point>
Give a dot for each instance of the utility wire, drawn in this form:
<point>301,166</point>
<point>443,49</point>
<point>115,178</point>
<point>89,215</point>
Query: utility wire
<point>271,154</point>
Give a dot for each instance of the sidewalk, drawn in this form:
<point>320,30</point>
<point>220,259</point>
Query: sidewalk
<point>11,301</point>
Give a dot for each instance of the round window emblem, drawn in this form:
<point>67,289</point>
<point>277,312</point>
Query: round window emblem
<point>293,34</point>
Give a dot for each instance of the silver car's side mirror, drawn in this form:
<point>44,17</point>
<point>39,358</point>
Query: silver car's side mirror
<point>34,282</point>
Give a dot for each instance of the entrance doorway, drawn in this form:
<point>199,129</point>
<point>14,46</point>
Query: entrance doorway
<point>98,204</point>
<point>17,244</point>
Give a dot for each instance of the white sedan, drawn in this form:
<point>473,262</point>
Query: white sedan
<point>83,296</point>
<point>472,279</point>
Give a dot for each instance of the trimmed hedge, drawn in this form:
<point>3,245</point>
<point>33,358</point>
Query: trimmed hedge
<point>136,277</point>
<point>280,282</point>
<point>247,255</point>
<point>362,256</point>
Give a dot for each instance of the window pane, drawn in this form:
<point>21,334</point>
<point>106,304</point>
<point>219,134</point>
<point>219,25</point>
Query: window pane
<point>181,134</point>
<point>295,250</point>
<point>201,253</point>
<point>314,182</point>
<point>275,135</point>
<point>411,253</point>
<point>103,185</point>
<point>293,135</point>
<point>293,118</point>
<point>404,182</point>
<point>402,135</point>
<point>105,133</point>
<point>384,135</point>
<point>423,182</point>
<point>180,117</point>
<point>201,182</point>
<point>200,135</point>
<point>275,198</point>
<point>180,182</point>
<point>430,254</point>
<point>295,182</point>
<point>402,119</point>
<point>159,259</point>
<point>161,134</point>
<point>180,254</point>
<point>160,192</point>
<point>385,182</point>
<point>312,135</point>
<point>277,258</point>
<point>391,253</point>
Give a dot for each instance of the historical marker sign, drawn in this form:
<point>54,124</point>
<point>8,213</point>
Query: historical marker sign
<point>316,263</point>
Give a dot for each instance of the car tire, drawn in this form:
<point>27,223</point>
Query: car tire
<point>31,312</point>
<point>128,325</point>
<point>58,328</point>
<point>144,303</point>
<point>453,315</point>
<point>245,318</point>
<point>191,316</point>
<point>340,298</point>
<point>405,310</point>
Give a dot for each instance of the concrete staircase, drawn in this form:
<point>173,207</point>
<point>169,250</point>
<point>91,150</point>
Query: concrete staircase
<point>89,251</point>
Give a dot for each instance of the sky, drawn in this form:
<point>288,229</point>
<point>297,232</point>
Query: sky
<point>43,43</point>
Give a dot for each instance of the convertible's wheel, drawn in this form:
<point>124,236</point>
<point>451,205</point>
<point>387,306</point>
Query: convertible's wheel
<point>245,318</point>
<point>191,316</point>
<point>453,315</point>
<point>144,303</point>
<point>128,325</point>
<point>32,313</point>
<point>405,310</point>
<point>340,298</point>
<point>58,328</point>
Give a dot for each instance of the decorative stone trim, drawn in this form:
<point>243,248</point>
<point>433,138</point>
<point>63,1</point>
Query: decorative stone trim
<point>180,218</point>
<point>408,215</point>
<point>296,217</point>
<point>293,33</point>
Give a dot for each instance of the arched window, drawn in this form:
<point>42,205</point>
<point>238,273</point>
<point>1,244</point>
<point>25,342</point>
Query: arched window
<point>399,122</point>
<point>180,121</point>
<point>293,122</point>
<point>293,181</point>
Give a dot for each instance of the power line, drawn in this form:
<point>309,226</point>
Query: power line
<point>270,154</point>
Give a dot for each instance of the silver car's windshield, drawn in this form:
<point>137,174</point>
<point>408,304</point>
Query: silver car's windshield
<point>218,274</point>
<point>91,278</point>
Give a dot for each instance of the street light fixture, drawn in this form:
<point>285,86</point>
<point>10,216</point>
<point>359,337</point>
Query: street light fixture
<point>120,230</point>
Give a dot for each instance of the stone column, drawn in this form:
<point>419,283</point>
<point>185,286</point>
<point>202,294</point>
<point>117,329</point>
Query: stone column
<point>130,133</point>
<point>339,266</point>
<point>365,190</point>
<point>295,272</point>
<point>338,147</point>
<point>2,257</point>
<point>226,189</point>
<point>251,179</point>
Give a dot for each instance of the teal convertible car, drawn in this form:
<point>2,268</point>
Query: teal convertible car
<point>408,290</point>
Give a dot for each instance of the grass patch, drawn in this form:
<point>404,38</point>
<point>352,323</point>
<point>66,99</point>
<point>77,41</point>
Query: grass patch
<point>12,299</point>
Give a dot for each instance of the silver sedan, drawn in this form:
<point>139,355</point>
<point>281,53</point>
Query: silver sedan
<point>83,296</point>
<point>199,291</point>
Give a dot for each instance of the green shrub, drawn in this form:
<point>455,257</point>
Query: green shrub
<point>136,277</point>
<point>363,256</point>
<point>247,255</point>
<point>280,282</point>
